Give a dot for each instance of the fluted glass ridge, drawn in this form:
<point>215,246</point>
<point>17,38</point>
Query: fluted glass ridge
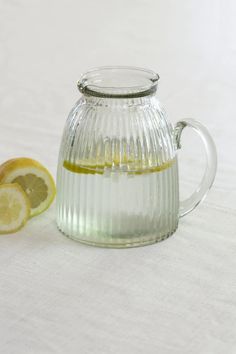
<point>117,173</point>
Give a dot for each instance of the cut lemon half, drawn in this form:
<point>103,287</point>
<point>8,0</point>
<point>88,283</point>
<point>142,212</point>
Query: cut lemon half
<point>14,208</point>
<point>35,180</point>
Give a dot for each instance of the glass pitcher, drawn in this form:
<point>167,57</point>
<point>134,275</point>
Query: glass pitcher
<point>117,180</point>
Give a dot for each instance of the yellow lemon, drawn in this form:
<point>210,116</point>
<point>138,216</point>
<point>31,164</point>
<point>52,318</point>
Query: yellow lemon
<point>35,180</point>
<point>14,208</point>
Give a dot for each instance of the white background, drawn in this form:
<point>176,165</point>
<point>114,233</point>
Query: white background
<point>178,296</point>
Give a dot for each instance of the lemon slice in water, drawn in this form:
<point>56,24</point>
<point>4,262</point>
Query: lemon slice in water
<point>14,208</point>
<point>133,167</point>
<point>35,180</point>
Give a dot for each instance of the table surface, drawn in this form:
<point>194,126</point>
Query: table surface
<point>178,296</point>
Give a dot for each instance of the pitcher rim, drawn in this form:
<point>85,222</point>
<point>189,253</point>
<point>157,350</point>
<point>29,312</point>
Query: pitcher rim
<point>118,82</point>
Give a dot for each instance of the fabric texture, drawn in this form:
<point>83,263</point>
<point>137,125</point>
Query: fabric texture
<point>177,296</point>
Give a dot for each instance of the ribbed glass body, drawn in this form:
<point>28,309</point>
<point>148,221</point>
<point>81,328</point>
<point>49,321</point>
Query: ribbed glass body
<point>117,173</point>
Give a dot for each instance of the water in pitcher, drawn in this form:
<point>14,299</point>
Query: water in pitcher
<point>116,205</point>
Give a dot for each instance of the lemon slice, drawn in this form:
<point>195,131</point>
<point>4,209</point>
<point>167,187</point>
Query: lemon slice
<point>133,167</point>
<point>34,179</point>
<point>14,208</point>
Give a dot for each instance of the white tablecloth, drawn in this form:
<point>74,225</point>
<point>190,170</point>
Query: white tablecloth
<point>178,296</point>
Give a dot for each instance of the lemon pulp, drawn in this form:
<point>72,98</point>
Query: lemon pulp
<point>35,188</point>
<point>14,208</point>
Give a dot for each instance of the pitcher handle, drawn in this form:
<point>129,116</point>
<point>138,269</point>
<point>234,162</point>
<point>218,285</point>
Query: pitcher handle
<point>200,193</point>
